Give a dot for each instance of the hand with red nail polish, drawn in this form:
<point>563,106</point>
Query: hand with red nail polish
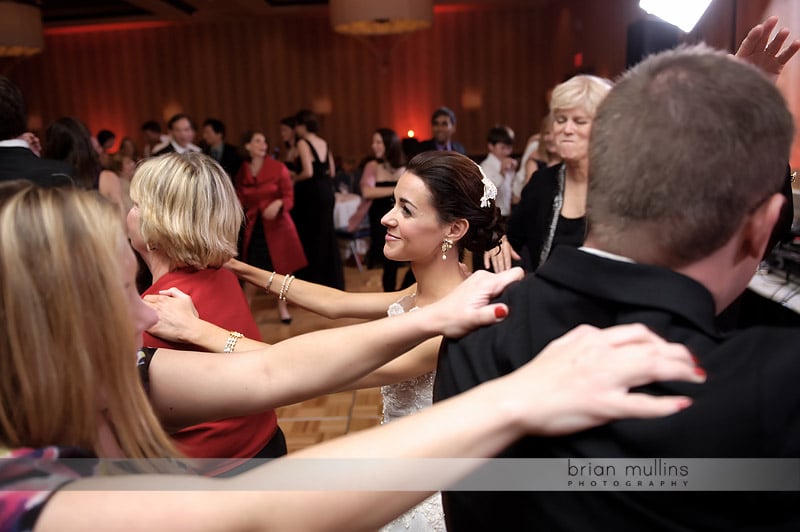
<point>468,305</point>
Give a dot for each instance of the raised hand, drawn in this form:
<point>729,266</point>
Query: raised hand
<point>500,257</point>
<point>766,54</point>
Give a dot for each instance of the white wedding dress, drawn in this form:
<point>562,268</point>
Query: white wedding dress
<point>403,399</point>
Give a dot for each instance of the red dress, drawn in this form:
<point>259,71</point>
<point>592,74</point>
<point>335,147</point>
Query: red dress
<point>219,300</point>
<point>256,193</point>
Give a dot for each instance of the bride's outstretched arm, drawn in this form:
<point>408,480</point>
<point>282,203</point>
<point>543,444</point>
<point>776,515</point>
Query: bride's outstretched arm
<point>329,302</point>
<point>188,387</point>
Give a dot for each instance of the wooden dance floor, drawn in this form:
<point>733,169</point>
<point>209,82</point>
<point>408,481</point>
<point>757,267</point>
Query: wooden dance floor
<point>329,416</point>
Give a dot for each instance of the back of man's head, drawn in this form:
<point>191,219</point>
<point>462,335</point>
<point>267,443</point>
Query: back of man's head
<point>685,146</point>
<point>13,121</point>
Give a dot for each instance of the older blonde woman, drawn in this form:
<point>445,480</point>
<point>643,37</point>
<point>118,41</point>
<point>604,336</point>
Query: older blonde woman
<point>552,207</point>
<point>184,223</point>
<point>72,390</point>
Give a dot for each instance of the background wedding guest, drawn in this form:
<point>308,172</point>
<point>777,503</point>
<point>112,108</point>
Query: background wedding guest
<point>153,136</point>
<point>105,141</point>
<point>552,209</point>
<point>443,123</point>
<point>288,149</point>
<point>313,205</point>
<point>181,135</point>
<point>68,139</point>
<point>17,160</point>
<point>227,155</point>
<point>266,193</point>
<point>539,154</point>
<point>377,185</point>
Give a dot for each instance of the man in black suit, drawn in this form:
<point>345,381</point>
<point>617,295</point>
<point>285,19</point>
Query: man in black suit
<point>443,123</point>
<point>225,154</point>
<point>688,159</point>
<point>181,135</point>
<point>17,161</point>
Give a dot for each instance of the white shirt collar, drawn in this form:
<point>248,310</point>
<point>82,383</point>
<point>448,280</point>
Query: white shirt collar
<point>14,143</point>
<point>185,149</point>
<point>606,254</point>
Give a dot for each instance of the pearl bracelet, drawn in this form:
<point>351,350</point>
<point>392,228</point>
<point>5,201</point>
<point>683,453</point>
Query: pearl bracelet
<point>230,344</point>
<point>287,282</point>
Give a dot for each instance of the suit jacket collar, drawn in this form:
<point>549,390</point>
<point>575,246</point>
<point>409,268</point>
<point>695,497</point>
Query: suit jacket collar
<point>642,285</point>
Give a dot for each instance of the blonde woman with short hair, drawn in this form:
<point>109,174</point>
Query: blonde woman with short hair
<point>184,223</point>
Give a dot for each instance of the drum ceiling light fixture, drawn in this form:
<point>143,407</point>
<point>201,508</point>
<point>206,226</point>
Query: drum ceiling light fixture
<point>378,17</point>
<point>20,30</point>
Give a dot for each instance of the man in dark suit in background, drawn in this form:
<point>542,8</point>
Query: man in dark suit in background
<point>443,123</point>
<point>688,159</point>
<point>225,154</point>
<point>181,135</point>
<point>17,160</point>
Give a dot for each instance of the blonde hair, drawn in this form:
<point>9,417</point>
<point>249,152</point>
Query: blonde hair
<point>67,340</point>
<point>582,91</point>
<point>188,209</point>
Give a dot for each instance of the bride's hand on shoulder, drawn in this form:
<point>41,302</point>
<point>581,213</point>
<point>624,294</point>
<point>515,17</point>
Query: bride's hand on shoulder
<point>467,306</point>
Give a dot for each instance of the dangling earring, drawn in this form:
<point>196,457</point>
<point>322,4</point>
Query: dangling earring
<point>447,244</point>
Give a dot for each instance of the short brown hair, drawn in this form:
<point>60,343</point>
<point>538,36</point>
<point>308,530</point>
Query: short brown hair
<point>685,145</point>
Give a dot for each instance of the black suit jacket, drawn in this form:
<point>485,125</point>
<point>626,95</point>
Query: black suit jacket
<point>430,145</point>
<point>21,163</point>
<point>749,407</point>
<point>169,148</point>
<point>230,161</point>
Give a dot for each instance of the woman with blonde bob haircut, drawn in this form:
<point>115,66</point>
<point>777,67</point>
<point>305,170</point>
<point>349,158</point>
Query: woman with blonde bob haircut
<point>552,207</point>
<point>69,389</point>
<point>184,224</point>
<point>186,210</point>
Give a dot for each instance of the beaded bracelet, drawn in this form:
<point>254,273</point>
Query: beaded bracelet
<point>287,282</point>
<point>230,344</point>
<point>269,283</point>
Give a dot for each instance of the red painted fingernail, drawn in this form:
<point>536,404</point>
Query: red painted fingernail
<point>500,312</point>
<point>694,359</point>
<point>700,372</point>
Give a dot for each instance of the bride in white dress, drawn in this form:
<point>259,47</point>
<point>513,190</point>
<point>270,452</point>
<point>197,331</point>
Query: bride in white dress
<point>443,205</point>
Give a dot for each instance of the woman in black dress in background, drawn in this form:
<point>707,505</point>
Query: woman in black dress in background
<point>377,186</point>
<point>313,205</point>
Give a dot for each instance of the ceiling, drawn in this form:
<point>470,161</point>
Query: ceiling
<point>60,13</point>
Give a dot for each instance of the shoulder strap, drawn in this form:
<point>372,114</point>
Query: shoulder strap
<point>313,151</point>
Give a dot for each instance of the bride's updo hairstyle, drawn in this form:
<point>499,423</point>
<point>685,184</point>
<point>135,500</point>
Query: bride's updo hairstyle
<point>454,181</point>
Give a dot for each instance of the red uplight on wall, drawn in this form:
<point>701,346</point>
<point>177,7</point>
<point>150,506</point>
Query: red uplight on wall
<point>577,60</point>
<point>410,133</point>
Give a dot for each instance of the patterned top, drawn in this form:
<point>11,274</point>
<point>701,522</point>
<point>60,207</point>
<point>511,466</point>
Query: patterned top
<point>410,396</point>
<point>29,477</point>
<point>404,399</point>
